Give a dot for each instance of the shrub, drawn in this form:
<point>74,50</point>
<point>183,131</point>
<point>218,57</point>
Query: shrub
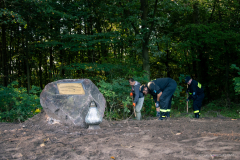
<point>236,80</point>
<point>119,103</point>
<point>16,104</point>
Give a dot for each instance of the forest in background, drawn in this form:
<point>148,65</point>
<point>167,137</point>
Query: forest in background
<point>109,41</point>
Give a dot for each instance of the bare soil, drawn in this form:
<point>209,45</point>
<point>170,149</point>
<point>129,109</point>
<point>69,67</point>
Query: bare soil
<point>173,139</point>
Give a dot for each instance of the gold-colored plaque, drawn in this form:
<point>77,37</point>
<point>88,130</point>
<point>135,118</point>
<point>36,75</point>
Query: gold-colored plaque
<point>70,88</point>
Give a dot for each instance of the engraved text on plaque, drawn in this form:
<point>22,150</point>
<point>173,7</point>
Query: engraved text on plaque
<point>70,88</point>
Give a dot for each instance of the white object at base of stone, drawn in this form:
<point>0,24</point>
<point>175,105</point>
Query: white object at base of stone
<point>52,121</point>
<point>93,118</point>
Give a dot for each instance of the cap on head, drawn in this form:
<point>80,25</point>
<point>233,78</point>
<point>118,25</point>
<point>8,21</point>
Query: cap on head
<point>187,79</point>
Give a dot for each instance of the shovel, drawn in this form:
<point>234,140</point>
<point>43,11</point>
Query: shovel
<point>134,108</point>
<point>187,101</point>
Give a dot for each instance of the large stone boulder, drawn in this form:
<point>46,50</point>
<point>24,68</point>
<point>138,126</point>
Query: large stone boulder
<point>68,100</point>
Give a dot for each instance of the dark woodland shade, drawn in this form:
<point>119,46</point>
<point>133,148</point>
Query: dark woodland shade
<point>187,79</point>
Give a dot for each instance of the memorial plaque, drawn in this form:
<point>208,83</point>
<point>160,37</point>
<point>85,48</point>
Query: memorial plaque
<point>70,88</point>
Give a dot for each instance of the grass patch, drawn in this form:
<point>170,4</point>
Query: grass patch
<point>216,108</point>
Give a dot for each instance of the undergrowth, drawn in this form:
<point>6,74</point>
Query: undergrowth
<point>216,108</point>
<point>16,105</point>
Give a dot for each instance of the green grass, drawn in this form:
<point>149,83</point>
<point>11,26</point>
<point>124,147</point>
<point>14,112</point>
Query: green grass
<point>216,108</point>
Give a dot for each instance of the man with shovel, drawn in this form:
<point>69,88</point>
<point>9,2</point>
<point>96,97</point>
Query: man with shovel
<point>196,93</point>
<point>162,90</point>
<point>138,97</point>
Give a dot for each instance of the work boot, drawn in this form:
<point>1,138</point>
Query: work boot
<point>162,116</point>
<point>196,115</point>
<point>158,114</point>
<point>138,116</point>
<point>168,114</point>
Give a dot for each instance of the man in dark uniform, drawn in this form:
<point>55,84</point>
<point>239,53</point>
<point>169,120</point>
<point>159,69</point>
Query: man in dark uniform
<point>196,93</point>
<point>162,90</point>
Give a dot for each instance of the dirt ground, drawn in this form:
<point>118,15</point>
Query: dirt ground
<point>173,139</point>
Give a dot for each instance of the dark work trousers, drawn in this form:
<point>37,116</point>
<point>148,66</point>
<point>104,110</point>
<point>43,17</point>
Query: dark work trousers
<point>166,98</point>
<point>170,104</point>
<point>197,103</point>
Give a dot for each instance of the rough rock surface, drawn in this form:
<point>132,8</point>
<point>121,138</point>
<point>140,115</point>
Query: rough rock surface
<point>71,109</point>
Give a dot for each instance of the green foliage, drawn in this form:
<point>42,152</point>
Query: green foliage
<point>7,16</point>
<point>236,79</point>
<point>218,108</point>
<point>105,40</point>
<point>179,100</point>
<point>119,103</point>
<point>149,108</point>
<point>16,104</point>
<point>117,96</point>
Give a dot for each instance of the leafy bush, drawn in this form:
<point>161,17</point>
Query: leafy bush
<point>179,100</point>
<point>16,104</point>
<point>118,99</point>
<point>219,108</point>
<point>149,108</point>
<point>236,79</point>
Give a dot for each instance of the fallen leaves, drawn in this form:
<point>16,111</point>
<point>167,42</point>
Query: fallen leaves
<point>42,145</point>
<point>37,111</point>
<point>17,155</point>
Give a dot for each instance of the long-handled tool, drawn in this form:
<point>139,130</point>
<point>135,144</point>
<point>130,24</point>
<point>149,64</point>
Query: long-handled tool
<point>134,108</point>
<point>187,98</point>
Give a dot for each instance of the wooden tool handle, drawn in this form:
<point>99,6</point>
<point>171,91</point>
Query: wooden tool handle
<point>133,108</point>
<point>187,101</point>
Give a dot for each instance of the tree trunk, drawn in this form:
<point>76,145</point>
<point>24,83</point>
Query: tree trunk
<point>4,56</point>
<point>27,64</point>
<point>145,55</point>
<point>45,67</point>
<point>227,78</point>
<point>146,34</point>
<point>167,63</point>
<point>40,69</point>
<point>10,66</point>
<point>18,64</point>
<point>203,71</point>
<point>195,64</point>
<point>62,71</point>
<point>51,52</point>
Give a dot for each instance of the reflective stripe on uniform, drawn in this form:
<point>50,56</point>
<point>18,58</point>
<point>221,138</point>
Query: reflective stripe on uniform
<point>168,110</point>
<point>197,111</point>
<point>199,85</point>
<point>163,110</point>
